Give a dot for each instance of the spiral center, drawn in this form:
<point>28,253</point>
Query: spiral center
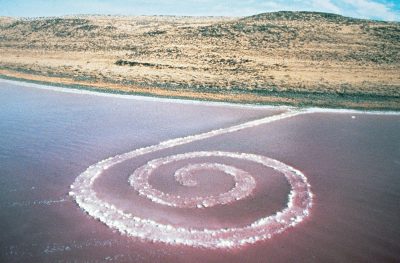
<point>243,187</point>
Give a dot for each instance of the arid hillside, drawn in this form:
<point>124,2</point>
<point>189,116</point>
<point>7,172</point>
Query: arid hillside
<point>298,58</point>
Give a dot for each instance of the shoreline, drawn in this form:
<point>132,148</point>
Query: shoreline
<point>109,92</point>
<point>291,99</point>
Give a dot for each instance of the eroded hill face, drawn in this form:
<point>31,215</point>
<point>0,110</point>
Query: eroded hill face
<point>285,51</point>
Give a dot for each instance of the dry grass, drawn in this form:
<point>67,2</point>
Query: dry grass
<point>274,57</point>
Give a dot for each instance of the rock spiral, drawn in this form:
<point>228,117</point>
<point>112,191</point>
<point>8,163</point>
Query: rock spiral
<point>298,206</point>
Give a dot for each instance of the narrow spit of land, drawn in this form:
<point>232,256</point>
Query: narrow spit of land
<point>291,58</point>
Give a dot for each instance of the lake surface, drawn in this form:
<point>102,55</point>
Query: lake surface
<point>48,138</point>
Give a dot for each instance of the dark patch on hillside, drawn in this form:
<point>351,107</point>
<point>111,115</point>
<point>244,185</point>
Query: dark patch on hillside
<point>303,16</point>
<point>122,62</point>
<point>59,27</point>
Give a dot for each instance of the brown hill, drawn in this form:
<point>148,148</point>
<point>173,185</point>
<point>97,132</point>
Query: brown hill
<point>291,57</point>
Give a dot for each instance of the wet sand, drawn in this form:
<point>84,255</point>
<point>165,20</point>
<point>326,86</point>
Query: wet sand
<point>48,138</point>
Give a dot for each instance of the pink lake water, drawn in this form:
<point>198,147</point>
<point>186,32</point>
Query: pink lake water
<point>48,138</point>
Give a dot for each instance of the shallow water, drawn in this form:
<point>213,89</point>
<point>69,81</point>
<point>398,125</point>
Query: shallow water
<point>48,138</point>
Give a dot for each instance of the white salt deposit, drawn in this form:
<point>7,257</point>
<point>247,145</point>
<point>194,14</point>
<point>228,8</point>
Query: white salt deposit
<point>298,206</point>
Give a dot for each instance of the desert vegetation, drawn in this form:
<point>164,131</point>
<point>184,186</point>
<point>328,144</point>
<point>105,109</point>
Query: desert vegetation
<point>299,58</point>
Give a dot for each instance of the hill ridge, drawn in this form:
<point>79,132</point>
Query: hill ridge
<point>269,53</point>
